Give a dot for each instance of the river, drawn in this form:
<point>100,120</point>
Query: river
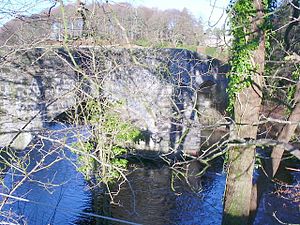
<point>58,194</point>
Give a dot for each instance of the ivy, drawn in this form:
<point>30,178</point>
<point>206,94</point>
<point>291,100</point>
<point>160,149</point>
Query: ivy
<point>111,134</point>
<point>85,162</point>
<point>244,43</point>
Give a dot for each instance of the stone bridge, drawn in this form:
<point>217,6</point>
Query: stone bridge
<point>161,90</point>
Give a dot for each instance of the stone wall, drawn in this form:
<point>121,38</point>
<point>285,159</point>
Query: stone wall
<point>35,87</point>
<point>160,89</point>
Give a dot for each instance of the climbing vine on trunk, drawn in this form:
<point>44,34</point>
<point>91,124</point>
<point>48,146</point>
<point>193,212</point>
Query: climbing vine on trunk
<point>249,26</point>
<point>242,15</point>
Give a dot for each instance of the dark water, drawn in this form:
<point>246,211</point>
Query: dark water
<point>147,197</point>
<point>281,208</point>
<point>151,200</point>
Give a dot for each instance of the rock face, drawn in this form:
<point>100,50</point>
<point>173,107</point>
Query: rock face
<point>161,91</point>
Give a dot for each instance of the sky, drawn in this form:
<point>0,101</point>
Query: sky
<point>203,9</point>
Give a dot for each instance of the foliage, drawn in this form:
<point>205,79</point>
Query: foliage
<point>244,43</point>
<point>110,137</point>
<point>241,67</point>
<point>85,162</point>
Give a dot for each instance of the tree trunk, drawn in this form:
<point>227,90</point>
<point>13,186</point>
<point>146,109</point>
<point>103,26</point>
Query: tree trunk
<point>241,160</point>
<point>286,134</point>
<point>272,165</point>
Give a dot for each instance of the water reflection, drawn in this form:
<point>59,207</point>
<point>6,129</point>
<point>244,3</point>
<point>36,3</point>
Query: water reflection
<point>149,200</point>
<point>148,197</point>
<point>60,195</point>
